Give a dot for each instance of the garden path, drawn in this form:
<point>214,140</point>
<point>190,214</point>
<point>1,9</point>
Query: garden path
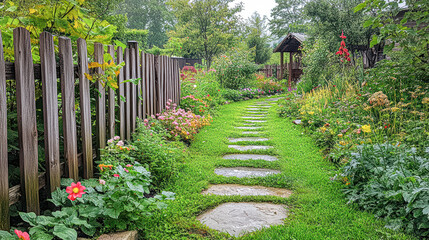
<point>238,218</point>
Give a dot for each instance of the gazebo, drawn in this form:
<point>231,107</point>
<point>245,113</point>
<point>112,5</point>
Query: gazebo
<point>291,43</point>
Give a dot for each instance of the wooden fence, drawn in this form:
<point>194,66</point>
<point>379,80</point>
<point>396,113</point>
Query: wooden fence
<point>274,70</point>
<point>159,82</point>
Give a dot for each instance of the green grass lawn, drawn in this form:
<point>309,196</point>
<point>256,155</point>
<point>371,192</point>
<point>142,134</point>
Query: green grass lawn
<point>318,210</point>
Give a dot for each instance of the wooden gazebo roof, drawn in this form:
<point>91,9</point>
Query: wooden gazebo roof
<point>291,43</point>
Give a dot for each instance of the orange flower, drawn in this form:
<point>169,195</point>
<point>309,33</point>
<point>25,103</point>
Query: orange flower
<point>22,235</point>
<point>76,190</point>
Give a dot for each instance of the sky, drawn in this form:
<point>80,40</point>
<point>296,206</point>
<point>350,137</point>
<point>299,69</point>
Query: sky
<point>263,7</point>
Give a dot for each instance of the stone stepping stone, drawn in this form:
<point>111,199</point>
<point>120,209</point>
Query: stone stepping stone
<point>237,219</point>
<point>260,106</point>
<point>250,132</point>
<point>256,121</point>
<point>249,124</point>
<point>243,190</point>
<point>254,109</point>
<point>248,148</point>
<point>253,117</point>
<point>257,113</point>
<point>248,139</point>
<point>248,128</point>
<point>297,122</point>
<point>242,172</point>
<point>250,157</point>
<point>274,99</point>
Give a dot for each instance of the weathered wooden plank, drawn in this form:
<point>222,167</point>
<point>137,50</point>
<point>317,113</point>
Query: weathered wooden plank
<point>133,46</point>
<point>85,110</point>
<point>101,101</point>
<point>111,122</point>
<point>14,192</point>
<point>127,95</point>
<point>26,110</point>
<point>4,175</point>
<point>153,85</point>
<point>68,106</point>
<point>10,71</point>
<point>139,85</point>
<point>50,110</point>
<point>143,83</point>
<point>121,92</point>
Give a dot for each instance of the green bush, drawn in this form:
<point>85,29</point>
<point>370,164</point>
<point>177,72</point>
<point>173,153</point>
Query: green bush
<point>232,95</point>
<point>235,70</point>
<point>392,182</point>
<point>135,35</point>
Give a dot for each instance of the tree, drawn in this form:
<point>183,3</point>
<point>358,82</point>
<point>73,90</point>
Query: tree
<point>287,17</point>
<point>257,39</point>
<point>152,15</point>
<point>207,26</point>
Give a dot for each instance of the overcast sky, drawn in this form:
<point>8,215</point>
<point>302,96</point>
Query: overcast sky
<point>263,7</point>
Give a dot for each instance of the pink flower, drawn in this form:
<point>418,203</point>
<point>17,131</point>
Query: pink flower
<point>151,134</point>
<point>116,175</point>
<point>22,235</point>
<point>110,140</point>
<point>146,120</point>
<point>152,116</point>
<point>102,182</point>
<point>359,130</point>
<point>126,170</point>
<point>116,138</point>
<point>76,190</point>
<point>120,143</point>
<point>128,165</point>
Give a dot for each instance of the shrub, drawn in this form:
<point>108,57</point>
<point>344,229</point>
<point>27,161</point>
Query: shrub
<point>235,70</point>
<point>138,35</point>
<point>393,182</point>
<point>232,95</point>
<point>196,105</point>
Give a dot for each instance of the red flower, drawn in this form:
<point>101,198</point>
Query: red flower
<point>342,35</point>
<point>76,190</point>
<point>116,175</point>
<point>22,235</point>
<point>343,51</point>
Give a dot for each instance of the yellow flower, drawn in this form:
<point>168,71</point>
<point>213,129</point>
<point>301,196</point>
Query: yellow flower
<point>340,135</point>
<point>311,112</point>
<point>425,100</point>
<point>343,143</point>
<point>366,128</point>
<point>323,129</point>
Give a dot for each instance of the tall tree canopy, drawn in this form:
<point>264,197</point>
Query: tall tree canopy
<point>207,27</point>
<point>152,15</point>
<point>257,39</point>
<point>287,16</point>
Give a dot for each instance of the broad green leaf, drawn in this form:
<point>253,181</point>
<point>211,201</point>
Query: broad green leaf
<point>113,213</point>
<point>360,7</point>
<point>64,232</point>
<point>29,218</point>
<point>120,44</point>
<point>374,41</point>
<point>368,23</point>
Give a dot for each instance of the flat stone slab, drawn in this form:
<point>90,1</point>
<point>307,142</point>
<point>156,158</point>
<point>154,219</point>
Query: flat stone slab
<point>250,157</point>
<point>297,122</point>
<point>274,99</point>
<point>242,172</point>
<point>248,128</point>
<point>253,117</point>
<point>243,190</point>
<point>260,106</point>
<point>256,114</point>
<point>248,124</point>
<point>240,218</point>
<point>248,139</point>
<point>256,121</point>
<point>254,109</point>
<point>248,148</point>
<point>129,235</point>
<point>250,132</point>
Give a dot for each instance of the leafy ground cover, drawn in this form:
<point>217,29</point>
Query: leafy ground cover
<point>317,205</point>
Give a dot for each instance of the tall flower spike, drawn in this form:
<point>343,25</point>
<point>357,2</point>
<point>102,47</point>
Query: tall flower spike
<point>342,35</point>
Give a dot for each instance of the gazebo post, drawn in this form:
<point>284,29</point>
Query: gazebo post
<point>281,65</point>
<point>290,69</point>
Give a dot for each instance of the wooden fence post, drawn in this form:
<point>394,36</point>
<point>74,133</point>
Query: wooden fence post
<point>127,95</point>
<point>68,105</point>
<point>134,51</point>
<point>111,51</point>
<point>50,111</point>
<point>101,101</point>
<point>121,93</point>
<point>27,128</point>
<point>85,110</point>
<point>4,177</point>
<point>143,74</point>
